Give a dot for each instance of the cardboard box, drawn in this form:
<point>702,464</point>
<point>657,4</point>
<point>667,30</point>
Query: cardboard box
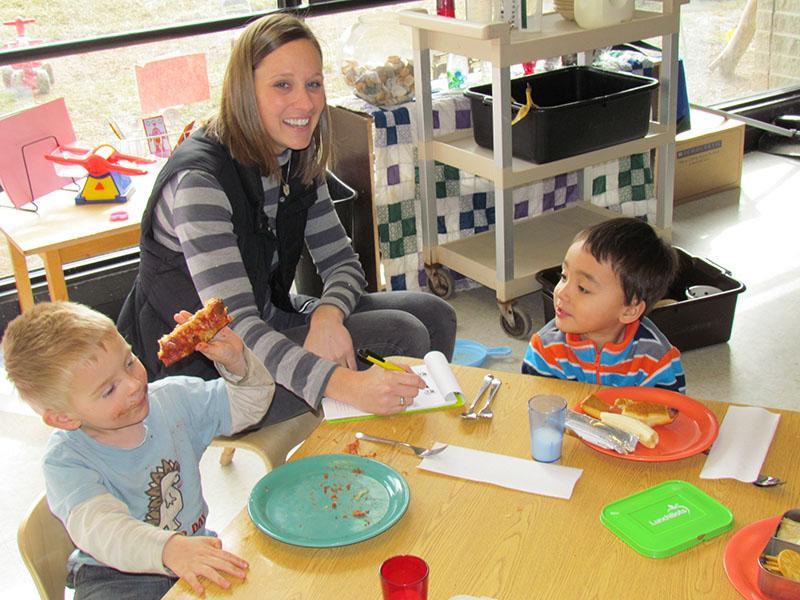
<point>708,156</point>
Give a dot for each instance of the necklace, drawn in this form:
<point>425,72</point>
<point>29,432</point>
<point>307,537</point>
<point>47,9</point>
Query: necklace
<point>285,178</point>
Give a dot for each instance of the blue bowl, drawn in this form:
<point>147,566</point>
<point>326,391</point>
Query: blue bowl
<point>473,354</point>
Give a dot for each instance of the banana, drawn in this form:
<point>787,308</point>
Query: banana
<point>647,435</point>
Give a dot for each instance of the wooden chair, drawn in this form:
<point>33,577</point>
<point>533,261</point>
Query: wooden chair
<point>271,443</point>
<point>45,547</point>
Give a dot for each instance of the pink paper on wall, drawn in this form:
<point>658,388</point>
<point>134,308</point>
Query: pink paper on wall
<point>25,137</point>
<point>171,81</point>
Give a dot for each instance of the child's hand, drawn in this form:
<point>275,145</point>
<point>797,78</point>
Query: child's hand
<point>225,348</point>
<point>191,557</point>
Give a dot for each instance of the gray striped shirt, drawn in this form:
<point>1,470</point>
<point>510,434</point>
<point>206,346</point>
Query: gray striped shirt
<point>193,217</point>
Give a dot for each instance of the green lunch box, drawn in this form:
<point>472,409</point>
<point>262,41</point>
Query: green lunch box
<point>666,519</point>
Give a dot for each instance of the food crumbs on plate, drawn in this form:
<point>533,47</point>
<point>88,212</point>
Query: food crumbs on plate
<point>357,471</point>
<point>324,475</point>
<point>348,486</point>
<point>360,495</point>
<point>360,513</point>
<point>333,505</point>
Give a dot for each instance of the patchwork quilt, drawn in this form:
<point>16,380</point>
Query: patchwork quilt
<point>465,202</point>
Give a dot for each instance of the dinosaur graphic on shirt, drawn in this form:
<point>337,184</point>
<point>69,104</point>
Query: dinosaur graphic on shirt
<point>166,500</point>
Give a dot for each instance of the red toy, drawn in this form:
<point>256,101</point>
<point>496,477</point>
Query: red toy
<point>108,179</point>
<point>33,74</point>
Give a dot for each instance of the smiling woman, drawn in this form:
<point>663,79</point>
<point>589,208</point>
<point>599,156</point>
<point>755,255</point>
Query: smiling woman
<point>228,217</point>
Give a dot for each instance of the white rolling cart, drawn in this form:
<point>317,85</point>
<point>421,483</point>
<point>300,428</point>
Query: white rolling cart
<point>538,242</point>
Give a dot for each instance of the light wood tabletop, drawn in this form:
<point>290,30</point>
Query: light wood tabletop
<point>62,232</point>
<point>479,539</point>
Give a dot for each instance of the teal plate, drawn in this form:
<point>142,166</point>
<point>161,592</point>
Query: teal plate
<point>328,500</point>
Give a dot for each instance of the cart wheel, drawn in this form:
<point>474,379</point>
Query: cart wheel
<point>42,82</point>
<point>521,327</point>
<point>441,282</point>
<point>7,72</point>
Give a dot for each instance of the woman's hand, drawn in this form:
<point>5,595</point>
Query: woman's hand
<point>375,390</point>
<point>226,347</point>
<point>192,557</point>
<point>328,337</point>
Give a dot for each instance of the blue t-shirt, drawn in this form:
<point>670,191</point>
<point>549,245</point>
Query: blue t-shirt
<point>159,480</point>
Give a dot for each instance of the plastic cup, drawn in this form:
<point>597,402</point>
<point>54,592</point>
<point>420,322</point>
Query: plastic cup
<point>546,415</point>
<point>404,577</point>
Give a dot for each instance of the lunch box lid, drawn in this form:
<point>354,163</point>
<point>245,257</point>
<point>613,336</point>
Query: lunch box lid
<point>666,518</point>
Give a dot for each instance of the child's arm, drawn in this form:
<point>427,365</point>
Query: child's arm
<point>104,528</point>
<point>250,386</point>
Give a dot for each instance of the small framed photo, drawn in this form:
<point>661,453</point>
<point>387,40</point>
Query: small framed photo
<point>155,130</point>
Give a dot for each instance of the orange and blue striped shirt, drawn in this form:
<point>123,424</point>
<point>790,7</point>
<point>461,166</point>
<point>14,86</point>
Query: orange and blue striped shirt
<point>644,357</point>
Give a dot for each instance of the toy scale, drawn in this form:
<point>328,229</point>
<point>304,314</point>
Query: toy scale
<point>108,180</point>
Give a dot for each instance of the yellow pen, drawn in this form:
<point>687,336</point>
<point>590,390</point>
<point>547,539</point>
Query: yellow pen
<point>375,359</point>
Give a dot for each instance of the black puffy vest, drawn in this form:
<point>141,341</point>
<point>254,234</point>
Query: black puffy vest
<point>164,285</point>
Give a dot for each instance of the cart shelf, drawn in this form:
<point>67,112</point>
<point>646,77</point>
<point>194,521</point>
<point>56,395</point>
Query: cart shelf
<point>508,258</point>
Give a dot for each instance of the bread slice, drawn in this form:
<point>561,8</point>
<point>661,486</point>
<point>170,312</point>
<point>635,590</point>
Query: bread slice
<point>651,413</point>
<point>593,406</point>
<point>647,435</point>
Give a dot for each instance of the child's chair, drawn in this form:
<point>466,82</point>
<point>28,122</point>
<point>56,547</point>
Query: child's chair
<point>271,443</point>
<point>45,547</point>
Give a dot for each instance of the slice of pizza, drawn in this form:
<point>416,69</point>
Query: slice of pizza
<point>200,327</point>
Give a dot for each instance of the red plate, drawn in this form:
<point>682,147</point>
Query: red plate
<point>741,556</point>
<point>693,431</point>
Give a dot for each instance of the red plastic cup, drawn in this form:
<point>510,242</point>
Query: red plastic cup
<point>446,8</point>
<point>404,577</point>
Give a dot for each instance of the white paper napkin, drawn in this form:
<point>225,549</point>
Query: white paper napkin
<point>506,471</point>
<point>742,444</point>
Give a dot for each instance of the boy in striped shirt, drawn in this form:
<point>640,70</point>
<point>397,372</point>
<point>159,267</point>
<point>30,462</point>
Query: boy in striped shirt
<point>612,275</point>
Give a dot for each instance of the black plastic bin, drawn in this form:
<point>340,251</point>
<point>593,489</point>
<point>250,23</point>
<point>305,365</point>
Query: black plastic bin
<point>579,109</point>
<point>306,280</point>
<point>689,323</point>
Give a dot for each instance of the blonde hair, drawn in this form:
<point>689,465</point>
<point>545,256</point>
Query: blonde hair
<point>238,125</point>
<point>44,345</point>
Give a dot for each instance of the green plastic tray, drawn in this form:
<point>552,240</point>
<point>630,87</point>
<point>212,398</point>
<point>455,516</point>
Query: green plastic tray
<point>666,519</point>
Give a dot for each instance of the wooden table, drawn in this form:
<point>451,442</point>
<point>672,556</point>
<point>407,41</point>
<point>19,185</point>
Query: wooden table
<point>484,540</point>
<point>62,232</point>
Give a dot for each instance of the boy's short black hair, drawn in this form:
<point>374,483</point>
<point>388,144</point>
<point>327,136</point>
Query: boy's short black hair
<point>644,263</point>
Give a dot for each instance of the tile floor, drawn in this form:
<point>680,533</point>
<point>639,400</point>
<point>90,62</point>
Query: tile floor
<point>751,232</point>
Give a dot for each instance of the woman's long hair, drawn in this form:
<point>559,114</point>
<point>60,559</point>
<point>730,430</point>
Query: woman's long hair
<point>238,125</point>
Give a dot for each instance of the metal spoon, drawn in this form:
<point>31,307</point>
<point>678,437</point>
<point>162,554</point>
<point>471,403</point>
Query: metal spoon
<point>470,413</point>
<point>762,480</point>
<point>768,481</point>
<point>486,411</point>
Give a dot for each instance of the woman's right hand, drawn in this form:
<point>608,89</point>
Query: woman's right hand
<point>376,390</point>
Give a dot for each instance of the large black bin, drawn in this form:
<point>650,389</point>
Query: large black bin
<point>579,109</point>
<point>306,280</point>
<point>689,323</point>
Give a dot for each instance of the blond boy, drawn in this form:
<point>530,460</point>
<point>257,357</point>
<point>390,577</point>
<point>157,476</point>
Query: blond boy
<point>122,468</point>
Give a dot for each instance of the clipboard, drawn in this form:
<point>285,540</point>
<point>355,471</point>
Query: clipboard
<point>443,392</point>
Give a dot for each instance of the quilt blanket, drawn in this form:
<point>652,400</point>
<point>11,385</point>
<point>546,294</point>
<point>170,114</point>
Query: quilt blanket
<point>465,202</point>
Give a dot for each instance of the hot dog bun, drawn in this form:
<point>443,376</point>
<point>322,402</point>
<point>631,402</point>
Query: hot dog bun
<point>651,413</point>
<point>593,406</point>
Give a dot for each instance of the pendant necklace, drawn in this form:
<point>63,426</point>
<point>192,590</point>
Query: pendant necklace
<point>285,179</point>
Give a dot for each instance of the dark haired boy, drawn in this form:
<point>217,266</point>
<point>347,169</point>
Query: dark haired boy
<point>612,275</point>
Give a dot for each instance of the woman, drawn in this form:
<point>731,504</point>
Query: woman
<point>228,217</point>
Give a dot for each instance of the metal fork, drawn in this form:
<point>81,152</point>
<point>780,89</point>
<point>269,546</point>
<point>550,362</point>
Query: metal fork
<point>486,411</point>
<point>470,413</point>
<point>421,452</point>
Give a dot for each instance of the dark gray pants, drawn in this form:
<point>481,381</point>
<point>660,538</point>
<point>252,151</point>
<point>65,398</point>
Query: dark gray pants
<point>388,323</point>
